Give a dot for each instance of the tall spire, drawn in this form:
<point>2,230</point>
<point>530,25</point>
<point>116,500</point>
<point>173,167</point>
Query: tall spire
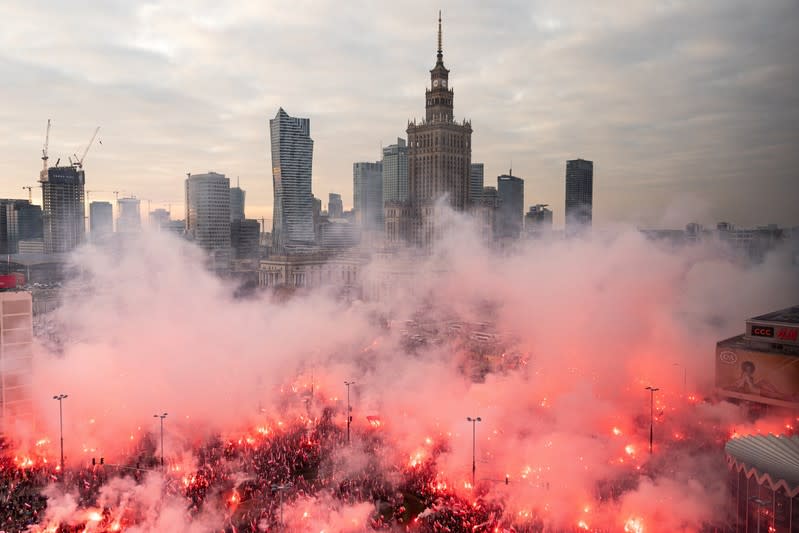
<point>440,52</point>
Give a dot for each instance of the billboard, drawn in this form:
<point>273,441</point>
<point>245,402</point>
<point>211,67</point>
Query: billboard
<point>762,377</point>
<point>782,331</point>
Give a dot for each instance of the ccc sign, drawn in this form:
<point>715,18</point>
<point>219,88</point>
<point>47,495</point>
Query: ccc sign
<point>762,331</point>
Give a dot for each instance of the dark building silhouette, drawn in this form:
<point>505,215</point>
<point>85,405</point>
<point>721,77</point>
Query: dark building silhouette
<point>237,195</point>
<point>101,220</point>
<point>510,217</point>
<point>487,211</point>
<point>368,195</point>
<point>538,220</point>
<point>244,238</point>
<point>335,207</point>
<point>476,183</point>
<point>579,194</point>
<point>19,221</point>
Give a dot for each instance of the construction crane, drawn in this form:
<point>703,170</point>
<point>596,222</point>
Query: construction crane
<point>79,161</point>
<point>44,149</point>
<point>30,193</point>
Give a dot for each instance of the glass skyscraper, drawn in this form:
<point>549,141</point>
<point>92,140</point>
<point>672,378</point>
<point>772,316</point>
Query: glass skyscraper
<point>510,217</point>
<point>579,193</point>
<point>368,188</point>
<point>208,215</point>
<point>476,183</point>
<point>395,172</point>
<point>292,156</point>
<point>237,195</point>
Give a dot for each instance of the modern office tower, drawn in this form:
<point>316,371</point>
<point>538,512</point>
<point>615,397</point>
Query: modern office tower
<point>63,208</point>
<point>101,220</point>
<point>16,358</point>
<point>159,218</point>
<point>129,215</point>
<point>487,213</point>
<point>208,215</point>
<point>292,158</point>
<point>8,244</point>
<point>538,220</point>
<point>335,207</point>
<point>579,194</point>
<point>439,149</point>
<point>510,218</point>
<point>19,221</point>
<point>318,217</point>
<point>27,218</point>
<point>476,183</point>
<point>237,195</point>
<point>368,195</point>
<point>244,237</point>
<point>395,172</point>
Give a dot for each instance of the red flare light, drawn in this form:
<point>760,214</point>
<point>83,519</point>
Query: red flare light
<point>634,525</point>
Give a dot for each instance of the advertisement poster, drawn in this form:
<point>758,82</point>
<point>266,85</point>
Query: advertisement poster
<point>758,376</point>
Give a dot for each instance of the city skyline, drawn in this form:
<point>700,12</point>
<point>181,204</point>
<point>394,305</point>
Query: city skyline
<point>687,111</point>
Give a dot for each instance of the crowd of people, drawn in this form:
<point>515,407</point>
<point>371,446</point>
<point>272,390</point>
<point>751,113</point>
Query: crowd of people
<point>250,480</point>
<point>21,500</point>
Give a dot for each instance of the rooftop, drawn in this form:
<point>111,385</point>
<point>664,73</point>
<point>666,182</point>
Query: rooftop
<point>789,315</point>
<point>771,458</point>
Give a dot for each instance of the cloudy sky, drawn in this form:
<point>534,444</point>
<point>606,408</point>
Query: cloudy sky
<point>689,109</point>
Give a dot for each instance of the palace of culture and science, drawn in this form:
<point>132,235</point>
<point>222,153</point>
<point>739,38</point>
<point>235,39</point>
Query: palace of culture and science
<point>439,159</point>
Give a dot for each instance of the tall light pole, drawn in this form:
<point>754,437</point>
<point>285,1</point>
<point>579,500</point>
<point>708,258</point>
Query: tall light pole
<point>684,377</point>
<point>281,488</point>
<point>349,409</point>
<point>652,391</point>
<point>474,422</point>
<point>162,437</point>
<point>61,398</point>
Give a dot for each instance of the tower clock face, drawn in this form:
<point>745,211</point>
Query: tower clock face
<point>444,83</point>
<point>435,83</point>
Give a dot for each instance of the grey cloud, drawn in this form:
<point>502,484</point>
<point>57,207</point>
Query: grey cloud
<point>668,98</point>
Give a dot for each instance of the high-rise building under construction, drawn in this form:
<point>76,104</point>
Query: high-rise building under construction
<point>63,208</point>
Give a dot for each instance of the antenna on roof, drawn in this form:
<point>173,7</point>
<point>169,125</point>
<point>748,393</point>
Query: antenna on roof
<point>439,34</point>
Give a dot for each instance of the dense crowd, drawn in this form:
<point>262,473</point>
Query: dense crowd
<point>250,479</point>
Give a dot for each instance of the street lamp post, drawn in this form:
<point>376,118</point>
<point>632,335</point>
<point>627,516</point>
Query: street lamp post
<point>349,409</point>
<point>652,391</point>
<point>474,422</point>
<point>684,377</point>
<point>280,489</point>
<point>162,437</point>
<point>61,398</point>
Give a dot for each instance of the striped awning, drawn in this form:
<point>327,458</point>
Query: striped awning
<point>773,459</point>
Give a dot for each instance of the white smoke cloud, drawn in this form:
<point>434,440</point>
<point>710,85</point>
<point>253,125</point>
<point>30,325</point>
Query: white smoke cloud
<point>586,324</point>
